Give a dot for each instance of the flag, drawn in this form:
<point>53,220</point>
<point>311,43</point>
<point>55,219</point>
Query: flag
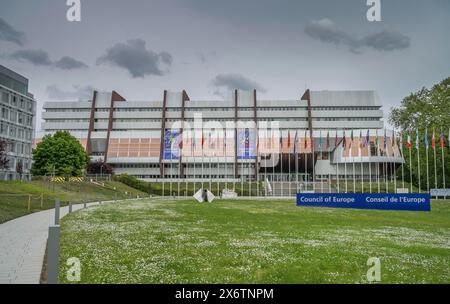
<point>417,139</point>
<point>306,139</point>
<point>367,139</point>
<point>289,139</point>
<point>295,142</point>
<point>442,139</point>
<point>336,140</point>
<point>344,141</point>
<point>360,139</point>
<point>385,141</point>
<point>408,140</point>
<point>433,140</point>
<point>426,138</point>
<point>393,142</point>
<point>351,139</point>
<point>377,144</point>
<point>328,140</point>
<point>320,139</point>
<point>400,139</point>
<point>203,139</point>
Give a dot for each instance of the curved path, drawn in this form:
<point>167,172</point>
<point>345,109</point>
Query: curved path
<point>22,245</point>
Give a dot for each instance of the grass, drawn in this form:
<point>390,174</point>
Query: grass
<point>14,195</point>
<point>244,241</point>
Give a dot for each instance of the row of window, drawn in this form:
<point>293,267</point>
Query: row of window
<point>213,109</point>
<point>16,116</point>
<point>12,131</point>
<point>17,102</point>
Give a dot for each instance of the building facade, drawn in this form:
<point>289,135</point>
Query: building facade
<point>241,138</point>
<point>17,124</point>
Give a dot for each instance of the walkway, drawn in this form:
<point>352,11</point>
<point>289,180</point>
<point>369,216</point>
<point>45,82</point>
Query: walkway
<point>22,245</point>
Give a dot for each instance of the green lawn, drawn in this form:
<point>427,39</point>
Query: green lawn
<point>167,241</point>
<point>14,195</point>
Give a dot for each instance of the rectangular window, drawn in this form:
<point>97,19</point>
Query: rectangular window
<point>5,97</point>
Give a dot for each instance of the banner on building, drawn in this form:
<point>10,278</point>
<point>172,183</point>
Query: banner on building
<point>246,147</point>
<point>171,145</point>
<point>382,201</point>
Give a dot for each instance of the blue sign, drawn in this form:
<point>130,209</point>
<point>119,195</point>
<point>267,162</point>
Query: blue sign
<point>382,201</point>
<point>171,145</point>
<point>246,144</point>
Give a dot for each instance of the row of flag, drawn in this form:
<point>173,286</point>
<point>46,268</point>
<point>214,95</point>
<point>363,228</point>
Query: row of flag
<point>347,141</point>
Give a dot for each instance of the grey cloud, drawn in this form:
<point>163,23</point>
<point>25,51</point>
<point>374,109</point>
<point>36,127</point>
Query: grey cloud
<point>36,57</point>
<point>41,57</point>
<point>78,92</point>
<point>137,59</point>
<point>229,82</point>
<point>327,31</point>
<point>387,41</point>
<point>69,63</point>
<point>8,33</point>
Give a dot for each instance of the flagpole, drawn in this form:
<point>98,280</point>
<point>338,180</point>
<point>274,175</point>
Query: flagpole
<point>193,154</point>
<point>321,156</point>
<point>442,142</point>
<point>203,159</point>
<point>369,153</point>
<point>281,173</point>
<point>400,149</point>
<point>306,162</point>
<point>353,165</point>
<point>337,163</point>
<point>313,159</point>
<point>289,164</point>
<point>360,160</point>
<point>266,180</point>
<point>329,160</point>
<point>410,171</point>
<point>272,154</point>
<point>426,151</point>
<point>218,165</point>
<point>386,152</point>
<point>296,160</point>
<point>394,170</point>
<point>378,160</point>
<point>242,166</point>
<point>433,145</point>
<point>418,156</point>
<point>345,162</point>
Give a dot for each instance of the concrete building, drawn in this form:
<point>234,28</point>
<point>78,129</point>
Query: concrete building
<point>17,124</point>
<point>241,138</point>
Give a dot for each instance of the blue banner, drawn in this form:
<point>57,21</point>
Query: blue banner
<point>246,144</point>
<point>171,145</point>
<point>382,201</point>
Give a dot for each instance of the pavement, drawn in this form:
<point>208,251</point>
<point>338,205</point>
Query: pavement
<point>22,245</point>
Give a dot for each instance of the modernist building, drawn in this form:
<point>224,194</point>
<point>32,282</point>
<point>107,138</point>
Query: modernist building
<point>165,139</point>
<point>17,121</point>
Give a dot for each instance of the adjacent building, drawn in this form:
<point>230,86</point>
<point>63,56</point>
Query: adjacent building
<point>241,138</point>
<point>17,124</point>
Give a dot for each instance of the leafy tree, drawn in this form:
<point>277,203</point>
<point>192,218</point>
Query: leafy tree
<point>99,167</point>
<point>4,161</point>
<point>425,109</point>
<point>59,154</point>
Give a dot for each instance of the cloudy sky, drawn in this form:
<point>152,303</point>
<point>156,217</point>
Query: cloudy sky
<point>141,47</point>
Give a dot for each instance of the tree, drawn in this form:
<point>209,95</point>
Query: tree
<point>59,154</point>
<point>4,161</point>
<point>99,167</point>
<point>427,108</point>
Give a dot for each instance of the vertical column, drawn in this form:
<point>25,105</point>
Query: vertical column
<point>184,98</point>
<point>91,124</point>
<point>307,96</point>
<point>235,131</point>
<point>163,127</point>
<point>255,118</point>
<point>114,97</point>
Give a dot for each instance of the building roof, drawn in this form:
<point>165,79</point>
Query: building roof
<point>345,98</point>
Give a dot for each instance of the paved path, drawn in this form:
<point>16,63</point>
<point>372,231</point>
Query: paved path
<point>22,245</point>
